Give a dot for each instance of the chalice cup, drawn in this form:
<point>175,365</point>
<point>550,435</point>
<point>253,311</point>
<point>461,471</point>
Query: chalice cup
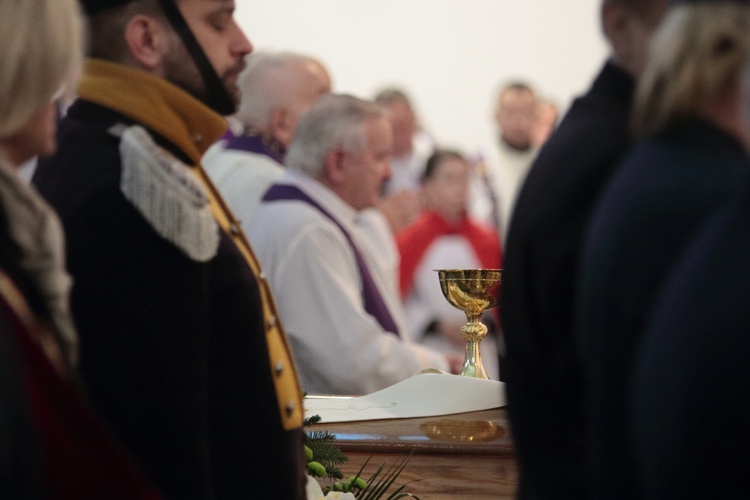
<point>473,291</point>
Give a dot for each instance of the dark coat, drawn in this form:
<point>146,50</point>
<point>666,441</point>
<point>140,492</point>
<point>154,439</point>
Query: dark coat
<point>693,377</point>
<point>661,194</point>
<point>51,443</point>
<point>57,448</point>
<point>173,351</point>
<point>540,280</point>
<point>21,473</point>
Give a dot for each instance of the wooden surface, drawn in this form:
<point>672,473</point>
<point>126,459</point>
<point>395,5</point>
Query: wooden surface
<point>456,457</point>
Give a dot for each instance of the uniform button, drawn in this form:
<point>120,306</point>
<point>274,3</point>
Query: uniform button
<point>279,368</point>
<point>234,229</point>
<point>290,406</point>
<point>271,322</point>
<point>262,275</point>
<point>197,138</point>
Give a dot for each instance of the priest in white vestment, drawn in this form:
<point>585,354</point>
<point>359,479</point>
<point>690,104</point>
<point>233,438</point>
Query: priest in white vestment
<point>347,332</point>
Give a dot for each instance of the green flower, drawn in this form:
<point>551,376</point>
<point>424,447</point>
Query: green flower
<point>316,469</point>
<point>357,482</point>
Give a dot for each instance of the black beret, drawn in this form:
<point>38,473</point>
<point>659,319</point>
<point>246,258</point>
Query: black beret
<point>92,7</point>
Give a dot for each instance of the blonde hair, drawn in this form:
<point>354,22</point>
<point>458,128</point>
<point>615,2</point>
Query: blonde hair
<point>40,43</point>
<point>695,57</point>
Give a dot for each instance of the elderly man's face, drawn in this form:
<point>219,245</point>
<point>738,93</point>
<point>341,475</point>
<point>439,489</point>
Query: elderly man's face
<point>225,45</point>
<point>367,170</point>
<point>404,126</point>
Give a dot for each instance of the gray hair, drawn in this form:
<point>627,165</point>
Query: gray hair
<point>696,56</point>
<point>335,121</point>
<point>267,83</point>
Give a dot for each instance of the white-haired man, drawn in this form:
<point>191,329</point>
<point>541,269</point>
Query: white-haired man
<point>344,327</point>
<point>277,88</point>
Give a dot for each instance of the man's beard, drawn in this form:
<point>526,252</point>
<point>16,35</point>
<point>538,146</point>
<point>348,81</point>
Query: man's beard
<point>180,70</point>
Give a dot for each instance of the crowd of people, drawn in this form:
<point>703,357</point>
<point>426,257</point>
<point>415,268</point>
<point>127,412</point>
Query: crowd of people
<point>210,231</point>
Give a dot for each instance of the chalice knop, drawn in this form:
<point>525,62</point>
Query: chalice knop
<point>473,291</point>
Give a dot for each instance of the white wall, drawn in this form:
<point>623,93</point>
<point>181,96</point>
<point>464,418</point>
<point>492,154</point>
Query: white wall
<point>449,55</point>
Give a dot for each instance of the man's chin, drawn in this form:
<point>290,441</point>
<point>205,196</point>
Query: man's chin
<point>517,145</point>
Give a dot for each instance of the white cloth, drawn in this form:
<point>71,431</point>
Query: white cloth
<point>425,302</point>
<point>338,346</point>
<point>407,170</point>
<point>242,178</point>
<point>427,394</point>
<point>507,170</point>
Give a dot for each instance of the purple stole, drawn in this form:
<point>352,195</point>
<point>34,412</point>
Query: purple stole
<point>371,297</point>
<point>254,144</point>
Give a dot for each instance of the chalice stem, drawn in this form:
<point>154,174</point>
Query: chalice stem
<point>473,366</point>
<point>473,332</point>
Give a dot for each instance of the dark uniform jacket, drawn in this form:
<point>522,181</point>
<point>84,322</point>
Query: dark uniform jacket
<point>691,410</point>
<point>181,353</point>
<point>542,370</point>
<point>665,190</point>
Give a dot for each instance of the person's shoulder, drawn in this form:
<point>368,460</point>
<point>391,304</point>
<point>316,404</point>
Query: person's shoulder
<point>287,220</point>
<point>221,164</point>
<point>588,143</point>
<point>87,160</point>
<point>601,115</point>
<point>422,226</point>
<point>87,146</point>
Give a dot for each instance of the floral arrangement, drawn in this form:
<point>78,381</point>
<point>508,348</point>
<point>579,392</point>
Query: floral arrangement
<point>324,457</point>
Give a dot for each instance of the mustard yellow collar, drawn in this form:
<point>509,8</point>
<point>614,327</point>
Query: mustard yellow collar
<point>154,103</point>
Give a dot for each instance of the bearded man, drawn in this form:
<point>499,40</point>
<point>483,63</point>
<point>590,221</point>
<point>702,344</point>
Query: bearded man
<point>181,349</point>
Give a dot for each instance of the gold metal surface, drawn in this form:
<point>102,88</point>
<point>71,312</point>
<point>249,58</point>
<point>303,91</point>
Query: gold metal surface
<point>452,429</point>
<point>473,291</point>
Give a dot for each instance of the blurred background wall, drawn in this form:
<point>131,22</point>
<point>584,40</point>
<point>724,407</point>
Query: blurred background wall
<point>449,55</point>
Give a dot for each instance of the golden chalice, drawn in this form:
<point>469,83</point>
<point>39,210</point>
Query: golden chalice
<point>473,291</point>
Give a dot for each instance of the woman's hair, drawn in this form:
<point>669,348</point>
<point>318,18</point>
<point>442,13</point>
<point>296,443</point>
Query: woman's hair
<point>438,158</point>
<point>334,121</point>
<point>40,44</point>
<point>696,56</point>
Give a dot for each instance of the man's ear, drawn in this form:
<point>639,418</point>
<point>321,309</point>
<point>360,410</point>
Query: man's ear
<point>334,166</point>
<point>282,126</point>
<point>147,40</point>
<point>614,19</point>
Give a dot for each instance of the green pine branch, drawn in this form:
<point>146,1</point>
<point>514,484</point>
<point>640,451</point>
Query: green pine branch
<point>324,457</point>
